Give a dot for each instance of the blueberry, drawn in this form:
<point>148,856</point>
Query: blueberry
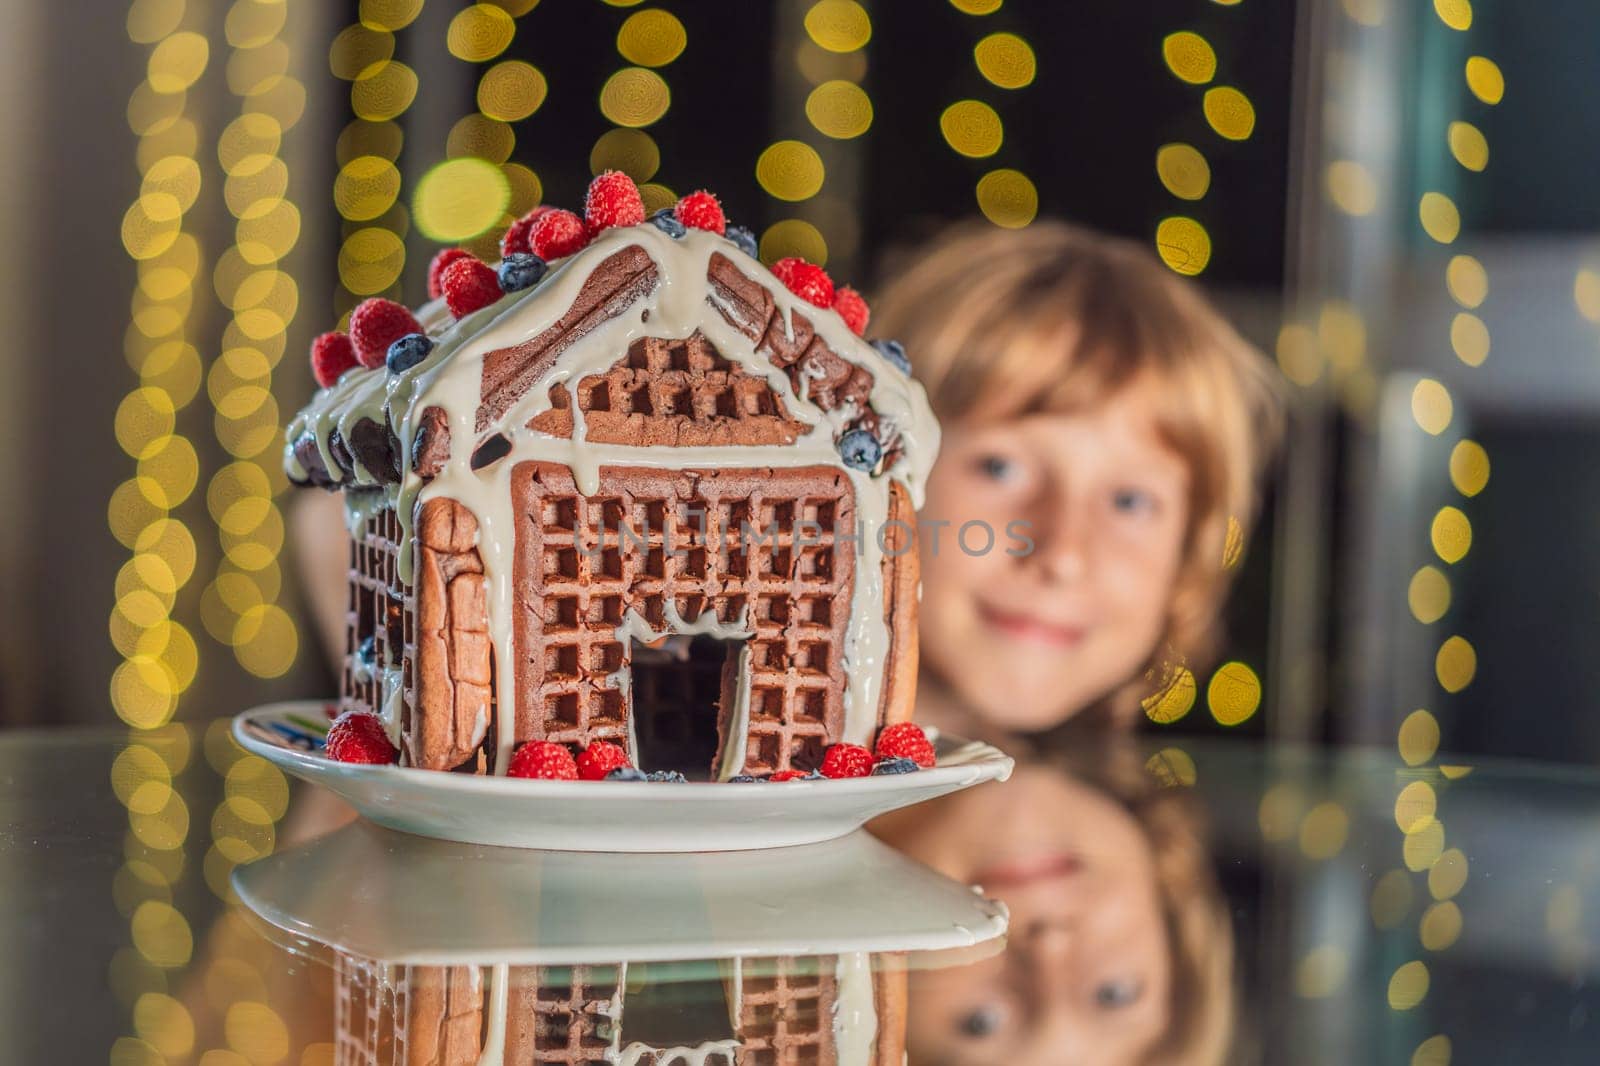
<point>860,450</point>
<point>813,775</point>
<point>895,352</point>
<point>408,351</point>
<point>743,238</point>
<point>672,776</point>
<point>667,222</point>
<point>743,779</point>
<point>626,773</point>
<point>520,271</point>
<point>894,766</point>
<point>367,652</point>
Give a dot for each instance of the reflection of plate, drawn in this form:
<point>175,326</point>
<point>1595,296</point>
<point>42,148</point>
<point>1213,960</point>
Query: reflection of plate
<point>610,815</point>
<point>399,898</point>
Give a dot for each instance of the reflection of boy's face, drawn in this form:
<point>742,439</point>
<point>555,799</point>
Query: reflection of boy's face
<point>1087,971</point>
<point>1031,639</point>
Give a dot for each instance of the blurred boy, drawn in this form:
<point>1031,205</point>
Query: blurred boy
<point>1086,391</point>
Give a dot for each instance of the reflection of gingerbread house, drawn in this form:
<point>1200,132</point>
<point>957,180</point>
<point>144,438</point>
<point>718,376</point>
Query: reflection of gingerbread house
<point>630,504</point>
<point>766,1012</point>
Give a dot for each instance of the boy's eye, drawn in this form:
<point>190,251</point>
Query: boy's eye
<point>1133,501</point>
<point>984,1021</point>
<point>1114,995</point>
<point>996,467</point>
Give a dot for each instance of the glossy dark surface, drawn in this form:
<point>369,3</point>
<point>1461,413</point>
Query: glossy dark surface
<point>1376,912</point>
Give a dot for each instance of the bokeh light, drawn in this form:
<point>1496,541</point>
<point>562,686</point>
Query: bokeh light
<point>839,109</point>
<point>1408,986</point>
<point>1484,79</point>
<point>790,170</point>
<point>1183,171</point>
<point>1466,280</point>
<point>1007,198</point>
<point>479,33</point>
<point>1174,697</point>
<point>1189,56</point>
<point>1351,187</point>
<point>1457,14</point>
<point>838,25</point>
<point>459,199</point>
<point>1183,244</point>
<point>651,38</point>
<point>1469,338</point>
<point>1323,831</point>
<point>634,97</point>
<point>1419,737</point>
<point>1455,664</point>
<point>1233,694</point>
<point>1229,112</point>
<point>972,128</point>
<point>1469,467</point>
<point>1006,60</point>
<point>1468,145</point>
<point>1451,534</point>
<point>1428,595</point>
<point>793,237</point>
<point>1431,406</point>
<point>1440,218</point>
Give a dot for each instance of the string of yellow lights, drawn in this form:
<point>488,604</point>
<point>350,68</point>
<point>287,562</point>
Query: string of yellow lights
<point>366,192</point>
<point>1233,693</point>
<point>159,656</point>
<point>830,61</point>
<point>637,97</point>
<point>1428,593</point>
<point>471,197</point>
<point>1182,241</point>
<point>973,128</point>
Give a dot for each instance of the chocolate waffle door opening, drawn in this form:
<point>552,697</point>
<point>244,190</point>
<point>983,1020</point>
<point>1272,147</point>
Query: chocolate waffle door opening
<point>681,688</point>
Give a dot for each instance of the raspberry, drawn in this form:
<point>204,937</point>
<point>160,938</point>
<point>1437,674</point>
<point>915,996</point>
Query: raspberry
<point>700,210</point>
<point>543,759</point>
<point>613,200</point>
<point>847,760</point>
<point>516,238</point>
<point>331,355</point>
<point>377,323</point>
<point>806,280</point>
<point>788,775</point>
<point>357,736</point>
<point>469,284</point>
<point>905,740</point>
<point>556,234</point>
<point>599,759</point>
<point>436,269</point>
<point>852,308</point>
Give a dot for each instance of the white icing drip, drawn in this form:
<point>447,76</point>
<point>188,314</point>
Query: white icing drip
<point>393,696</point>
<point>449,378</point>
<point>494,1036</point>
<point>855,1018</point>
<point>361,505</point>
<point>722,1051</point>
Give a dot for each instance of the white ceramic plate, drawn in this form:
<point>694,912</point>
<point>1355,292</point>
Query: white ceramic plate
<point>626,816</point>
<point>405,899</point>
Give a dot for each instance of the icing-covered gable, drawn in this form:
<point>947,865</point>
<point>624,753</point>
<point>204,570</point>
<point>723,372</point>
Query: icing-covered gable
<point>373,428</point>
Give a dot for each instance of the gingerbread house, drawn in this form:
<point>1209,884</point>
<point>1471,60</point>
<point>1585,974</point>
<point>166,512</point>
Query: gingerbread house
<point>656,498</point>
<point>788,1011</point>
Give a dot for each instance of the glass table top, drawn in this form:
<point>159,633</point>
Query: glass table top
<point>174,900</point>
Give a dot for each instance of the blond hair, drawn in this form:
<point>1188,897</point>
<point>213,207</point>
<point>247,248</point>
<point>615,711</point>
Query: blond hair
<point>1054,318</point>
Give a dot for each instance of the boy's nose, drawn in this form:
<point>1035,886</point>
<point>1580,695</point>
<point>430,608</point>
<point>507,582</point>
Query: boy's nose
<point>1062,546</point>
